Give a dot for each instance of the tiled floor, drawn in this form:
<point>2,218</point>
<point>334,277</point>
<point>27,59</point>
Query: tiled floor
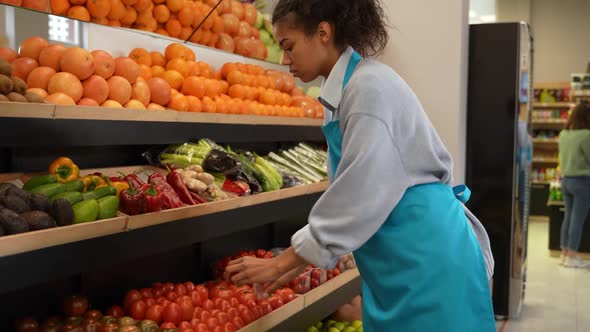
<point>557,299</point>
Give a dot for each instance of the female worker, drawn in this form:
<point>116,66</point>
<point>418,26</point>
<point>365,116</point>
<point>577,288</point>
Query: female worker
<point>390,200</point>
<point>574,159</point>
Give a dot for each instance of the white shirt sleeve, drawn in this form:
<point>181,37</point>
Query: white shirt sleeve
<point>370,181</point>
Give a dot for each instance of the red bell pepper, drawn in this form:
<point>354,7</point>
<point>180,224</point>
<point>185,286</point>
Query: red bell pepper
<point>175,181</point>
<point>197,198</point>
<point>171,199</point>
<point>236,187</point>
<point>133,201</point>
<point>154,197</point>
<point>133,179</point>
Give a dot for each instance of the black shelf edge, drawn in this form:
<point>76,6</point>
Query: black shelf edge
<point>74,132</point>
<point>54,263</point>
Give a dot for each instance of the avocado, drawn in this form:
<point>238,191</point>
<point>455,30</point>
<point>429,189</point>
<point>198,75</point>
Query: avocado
<point>15,203</point>
<point>5,186</point>
<point>12,223</point>
<point>39,202</point>
<point>38,220</point>
<point>24,195</point>
<point>62,212</point>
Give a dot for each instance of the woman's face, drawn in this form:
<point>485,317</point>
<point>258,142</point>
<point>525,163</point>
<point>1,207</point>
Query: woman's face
<point>302,53</point>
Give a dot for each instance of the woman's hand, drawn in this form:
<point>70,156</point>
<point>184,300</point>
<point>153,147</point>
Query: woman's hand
<point>250,270</point>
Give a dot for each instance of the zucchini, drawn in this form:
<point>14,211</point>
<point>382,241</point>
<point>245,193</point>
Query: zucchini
<point>100,193</point>
<point>38,181</point>
<point>49,190</point>
<point>75,185</point>
<point>71,196</point>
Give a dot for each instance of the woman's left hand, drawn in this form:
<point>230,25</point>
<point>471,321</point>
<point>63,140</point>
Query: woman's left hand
<point>251,270</point>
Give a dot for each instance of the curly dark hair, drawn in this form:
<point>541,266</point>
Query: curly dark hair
<point>358,23</point>
<point>580,117</point>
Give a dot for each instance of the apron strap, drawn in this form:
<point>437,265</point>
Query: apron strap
<point>352,64</point>
<point>462,193</point>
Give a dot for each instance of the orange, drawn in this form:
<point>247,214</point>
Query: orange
<point>60,98</point>
<point>144,17</point>
<point>141,92</point>
<point>196,37</point>
<point>59,7</point>
<point>237,91</point>
<point>129,2</point>
<point>205,38</point>
<point>8,54</point>
<point>145,72</point>
<point>127,68</point>
<point>104,64</point>
<point>174,78</point>
<point>157,71</point>
<point>160,91</point>
<point>209,105</point>
<point>79,13</point>
<point>134,104</point>
<point>227,68</point>
<point>185,33</point>
<point>88,102</point>
<point>51,55</point>
<point>141,56</point>
<point>221,106</point>
<point>173,27</point>
<point>151,25</point>
<point>161,13</point>
<point>162,32</point>
<point>194,104</point>
<point>130,16</point>
<point>180,65</point>
<point>66,83</point>
<point>186,16</point>
<point>114,23</point>
<point>218,25</point>
<point>175,5</point>
<point>158,59</point>
<point>268,98</point>
<point>40,92</point>
<point>22,67</point>
<point>39,77</point>
<point>156,107</point>
<point>96,88</point>
<point>111,104</point>
<point>102,21</point>
<point>175,50</point>
<point>78,61</point>
<point>235,77</point>
<point>118,10</point>
<point>32,47</point>
<point>142,5</point>
<point>194,86</point>
<point>178,102</point>
<point>78,2</point>
<point>119,89</point>
<point>99,8</point>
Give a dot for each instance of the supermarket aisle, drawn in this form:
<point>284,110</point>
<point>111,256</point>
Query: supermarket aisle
<point>557,299</point>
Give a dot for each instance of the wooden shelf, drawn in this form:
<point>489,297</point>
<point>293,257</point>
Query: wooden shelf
<point>541,182</point>
<point>36,257</point>
<point>545,161</point>
<point>553,105</point>
<point>555,203</point>
<point>97,126</point>
<point>545,141</point>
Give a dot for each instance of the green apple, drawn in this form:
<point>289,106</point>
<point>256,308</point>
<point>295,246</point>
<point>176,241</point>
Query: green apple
<point>259,21</point>
<point>266,38</point>
<point>319,325</point>
<point>314,92</point>
<point>330,322</point>
<point>357,324</point>
<point>313,329</point>
<point>267,22</point>
<point>349,329</point>
<point>333,329</point>
<point>339,326</point>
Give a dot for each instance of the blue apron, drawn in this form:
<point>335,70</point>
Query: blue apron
<point>423,270</point>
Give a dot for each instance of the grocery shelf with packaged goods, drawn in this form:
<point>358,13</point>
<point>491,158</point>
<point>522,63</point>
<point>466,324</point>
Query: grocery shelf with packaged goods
<point>104,259</point>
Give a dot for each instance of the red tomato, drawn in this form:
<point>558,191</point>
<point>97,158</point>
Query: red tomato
<point>196,298</point>
<point>336,272</point>
<point>186,307</point>
<point>168,325</point>
<point>154,313</point>
<point>94,315</point>
<point>242,307</point>
<point>172,296</point>
<point>131,296</point>
<point>212,323</point>
<point>269,255</point>
<point>116,311</point>
<point>150,302</point>
<point>204,316</point>
<point>257,311</point>
<point>247,316</point>
<point>234,302</point>
<point>158,292</point>
<point>157,284</point>
<point>266,307</point>
<point>168,287</point>
<point>186,329</point>
<point>195,322</point>
<point>233,312</point>
<point>218,328</point>
<point>189,286</point>
<point>316,274</point>
<point>180,289</point>
<point>110,327</point>
<point>222,317</point>
<point>220,291</point>
<point>284,292</point>
<point>185,325</point>
<point>251,303</point>
<point>330,276</point>
<point>146,293</point>
<point>238,322</point>
<point>229,327</point>
<point>224,305</point>
<point>203,292</point>
<point>276,301</point>
<point>214,312</point>
<point>260,253</point>
<point>197,312</point>
<point>172,313</point>
<point>201,327</point>
<point>137,309</point>
<point>27,325</point>
<point>76,305</point>
<point>247,297</point>
<point>299,288</point>
<point>162,300</point>
<point>208,305</point>
<point>314,283</point>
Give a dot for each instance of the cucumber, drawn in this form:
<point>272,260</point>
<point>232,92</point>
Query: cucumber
<point>85,211</point>
<point>75,185</point>
<point>100,193</point>
<point>49,190</point>
<point>39,180</point>
<point>108,207</point>
<point>73,197</point>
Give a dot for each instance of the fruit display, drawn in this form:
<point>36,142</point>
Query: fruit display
<point>152,81</point>
<point>331,325</point>
<point>14,88</point>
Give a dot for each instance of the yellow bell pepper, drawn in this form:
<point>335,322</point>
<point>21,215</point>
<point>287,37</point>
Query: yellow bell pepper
<point>92,182</point>
<point>64,170</point>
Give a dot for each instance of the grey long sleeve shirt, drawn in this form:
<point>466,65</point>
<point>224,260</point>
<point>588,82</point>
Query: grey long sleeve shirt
<point>389,145</point>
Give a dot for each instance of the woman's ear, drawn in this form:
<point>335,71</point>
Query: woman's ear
<point>325,31</point>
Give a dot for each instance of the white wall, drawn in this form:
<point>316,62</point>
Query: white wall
<point>429,49</point>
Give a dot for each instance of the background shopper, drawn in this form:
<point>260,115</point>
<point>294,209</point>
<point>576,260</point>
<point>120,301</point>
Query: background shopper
<point>574,160</point>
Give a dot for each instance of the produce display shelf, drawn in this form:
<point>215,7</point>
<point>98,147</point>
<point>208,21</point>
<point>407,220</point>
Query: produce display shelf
<point>555,203</point>
<point>545,141</point>
<point>541,182</point>
<point>546,161</point>
<point>549,122</point>
<point>553,105</point>
<point>97,126</point>
<point>75,249</point>
<point>321,302</point>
